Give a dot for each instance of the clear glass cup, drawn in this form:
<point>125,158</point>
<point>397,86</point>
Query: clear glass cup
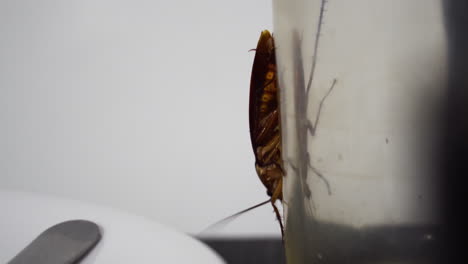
<point>362,85</point>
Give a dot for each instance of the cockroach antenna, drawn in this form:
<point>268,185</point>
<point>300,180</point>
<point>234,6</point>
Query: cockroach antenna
<point>230,218</point>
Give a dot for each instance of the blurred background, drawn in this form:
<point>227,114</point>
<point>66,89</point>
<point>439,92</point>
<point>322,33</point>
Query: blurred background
<point>137,105</point>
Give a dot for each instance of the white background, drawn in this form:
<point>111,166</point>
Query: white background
<point>138,105</point>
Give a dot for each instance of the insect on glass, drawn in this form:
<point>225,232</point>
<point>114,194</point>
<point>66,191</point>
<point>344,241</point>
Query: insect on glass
<point>265,133</point>
<point>264,120</point>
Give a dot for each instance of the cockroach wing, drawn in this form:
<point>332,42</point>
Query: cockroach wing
<point>263,87</point>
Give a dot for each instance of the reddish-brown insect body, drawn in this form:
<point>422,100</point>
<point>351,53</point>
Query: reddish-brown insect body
<point>265,132</point>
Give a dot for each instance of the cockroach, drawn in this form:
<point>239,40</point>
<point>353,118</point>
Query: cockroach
<point>265,125</point>
<point>264,120</point>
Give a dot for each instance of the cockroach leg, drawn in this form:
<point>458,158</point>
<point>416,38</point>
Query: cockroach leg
<point>267,124</point>
<point>278,216</point>
<point>311,127</point>
<point>272,148</point>
<point>294,168</point>
<point>304,185</point>
<point>320,175</point>
<point>275,196</point>
<point>277,193</point>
